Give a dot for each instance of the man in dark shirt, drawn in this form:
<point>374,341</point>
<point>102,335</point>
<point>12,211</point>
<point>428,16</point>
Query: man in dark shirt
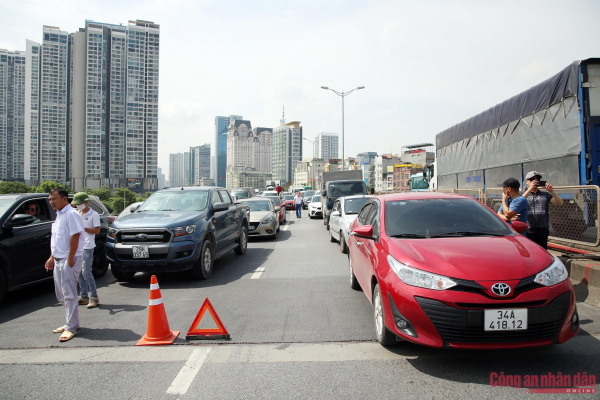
<point>538,216</point>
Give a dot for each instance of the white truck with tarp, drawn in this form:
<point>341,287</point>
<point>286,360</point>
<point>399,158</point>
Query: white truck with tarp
<point>552,128</point>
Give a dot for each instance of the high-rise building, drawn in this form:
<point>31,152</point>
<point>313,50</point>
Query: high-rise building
<point>249,147</point>
<point>287,150</point>
<point>199,164</point>
<point>91,113</point>
<point>309,172</point>
<point>12,114</point>
<point>176,170</point>
<point>221,134</point>
<point>326,146</point>
<point>162,179</point>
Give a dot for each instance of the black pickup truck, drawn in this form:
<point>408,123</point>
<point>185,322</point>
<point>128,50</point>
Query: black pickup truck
<point>176,230</point>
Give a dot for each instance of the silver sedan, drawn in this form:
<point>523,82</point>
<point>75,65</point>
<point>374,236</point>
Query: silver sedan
<point>264,218</point>
<point>343,213</point>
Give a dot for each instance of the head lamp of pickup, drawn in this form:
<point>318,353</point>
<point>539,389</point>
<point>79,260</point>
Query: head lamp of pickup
<point>183,230</point>
<point>112,232</point>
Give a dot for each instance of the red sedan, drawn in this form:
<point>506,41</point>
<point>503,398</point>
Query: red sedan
<point>444,270</point>
<point>289,202</point>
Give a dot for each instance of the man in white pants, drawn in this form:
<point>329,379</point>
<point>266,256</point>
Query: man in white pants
<point>66,260</point>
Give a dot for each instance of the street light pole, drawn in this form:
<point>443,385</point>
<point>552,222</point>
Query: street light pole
<point>342,95</point>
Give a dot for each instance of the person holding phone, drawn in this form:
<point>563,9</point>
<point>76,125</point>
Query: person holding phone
<point>538,216</point>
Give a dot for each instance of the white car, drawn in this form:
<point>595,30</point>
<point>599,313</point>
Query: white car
<point>314,207</point>
<point>343,213</point>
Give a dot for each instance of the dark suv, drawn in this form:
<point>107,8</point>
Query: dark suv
<point>25,239</point>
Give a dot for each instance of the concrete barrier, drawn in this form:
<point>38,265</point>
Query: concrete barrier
<point>585,277</point>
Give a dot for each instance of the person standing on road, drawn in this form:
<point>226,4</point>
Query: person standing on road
<point>91,226</point>
<point>278,189</point>
<point>298,204</point>
<point>66,259</point>
<point>538,216</point>
<point>514,206</point>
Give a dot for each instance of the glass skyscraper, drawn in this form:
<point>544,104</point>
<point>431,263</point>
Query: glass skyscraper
<point>221,131</point>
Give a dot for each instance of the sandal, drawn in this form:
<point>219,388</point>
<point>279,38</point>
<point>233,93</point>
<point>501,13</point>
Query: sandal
<point>60,329</point>
<point>67,335</point>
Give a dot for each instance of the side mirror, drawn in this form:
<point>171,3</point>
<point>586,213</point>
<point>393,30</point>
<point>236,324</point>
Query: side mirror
<point>519,226</point>
<point>324,193</point>
<point>20,220</point>
<point>275,211</point>
<point>220,207</point>
<point>235,198</point>
<point>365,231</point>
<point>372,190</point>
<point>335,213</point>
<point>133,209</point>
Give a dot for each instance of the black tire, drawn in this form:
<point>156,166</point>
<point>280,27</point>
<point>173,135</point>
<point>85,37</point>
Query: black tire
<point>324,220</point>
<point>353,282</point>
<point>3,284</point>
<point>327,224</point>
<point>384,336</point>
<point>343,247</point>
<point>331,238</point>
<point>273,236</point>
<point>203,268</point>
<point>121,276</point>
<point>243,241</point>
<point>100,263</point>
<point>310,216</point>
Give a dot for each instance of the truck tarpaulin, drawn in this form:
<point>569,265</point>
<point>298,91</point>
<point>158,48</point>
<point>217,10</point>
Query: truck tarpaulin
<point>540,97</point>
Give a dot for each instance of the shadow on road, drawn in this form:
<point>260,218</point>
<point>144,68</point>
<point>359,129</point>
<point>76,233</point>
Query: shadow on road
<point>108,334</point>
<point>475,366</point>
<point>118,308</point>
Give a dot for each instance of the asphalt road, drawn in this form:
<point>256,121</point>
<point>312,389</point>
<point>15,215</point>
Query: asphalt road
<point>297,331</point>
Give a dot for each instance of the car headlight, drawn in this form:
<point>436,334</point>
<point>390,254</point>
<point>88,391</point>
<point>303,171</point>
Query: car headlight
<point>554,274</point>
<point>416,277</point>
<point>267,220</point>
<point>183,230</point>
<point>112,232</point>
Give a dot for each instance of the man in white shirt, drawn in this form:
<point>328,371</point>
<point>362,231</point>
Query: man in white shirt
<point>91,226</point>
<point>66,246</point>
<point>298,204</point>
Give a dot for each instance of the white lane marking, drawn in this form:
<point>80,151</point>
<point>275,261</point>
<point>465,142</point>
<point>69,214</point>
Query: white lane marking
<point>285,227</point>
<point>257,273</point>
<point>188,372</point>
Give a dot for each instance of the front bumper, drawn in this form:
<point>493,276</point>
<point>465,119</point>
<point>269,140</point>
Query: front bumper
<point>163,257</point>
<point>456,319</point>
<point>268,230</point>
<point>315,212</point>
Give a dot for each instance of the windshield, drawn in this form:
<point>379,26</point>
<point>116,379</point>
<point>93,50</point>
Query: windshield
<point>315,199</point>
<point>5,203</point>
<point>259,205</point>
<point>345,189</point>
<point>270,194</point>
<point>309,193</point>
<point>441,218</point>
<point>176,200</point>
<point>241,195</point>
<point>417,182</point>
<point>274,200</point>
<point>289,197</point>
<point>353,206</point>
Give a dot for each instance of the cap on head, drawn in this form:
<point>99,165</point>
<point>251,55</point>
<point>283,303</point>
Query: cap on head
<point>80,198</point>
<point>511,183</point>
<point>531,174</point>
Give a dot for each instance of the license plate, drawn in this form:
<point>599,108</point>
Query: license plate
<point>514,319</point>
<point>140,252</point>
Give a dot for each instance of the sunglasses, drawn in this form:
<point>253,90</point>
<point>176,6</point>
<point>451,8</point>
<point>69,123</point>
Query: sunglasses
<point>31,209</point>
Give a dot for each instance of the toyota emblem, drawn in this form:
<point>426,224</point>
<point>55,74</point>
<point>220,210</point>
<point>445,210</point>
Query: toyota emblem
<point>141,236</point>
<point>500,289</point>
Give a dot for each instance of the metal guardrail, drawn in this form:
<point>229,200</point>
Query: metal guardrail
<point>576,221</point>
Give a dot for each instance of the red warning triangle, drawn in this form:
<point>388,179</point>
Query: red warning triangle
<point>195,333</point>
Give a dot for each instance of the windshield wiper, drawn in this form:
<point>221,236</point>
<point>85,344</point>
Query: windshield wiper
<point>466,233</point>
<point>408,235</point>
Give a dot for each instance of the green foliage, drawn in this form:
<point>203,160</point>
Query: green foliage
<point>47,186</point>
<point>14,187</point>
<point>103,193</point>
<point>121,198</point>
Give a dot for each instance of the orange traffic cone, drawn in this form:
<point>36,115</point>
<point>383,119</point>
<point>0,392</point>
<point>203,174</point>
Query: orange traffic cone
<point>158,331</point>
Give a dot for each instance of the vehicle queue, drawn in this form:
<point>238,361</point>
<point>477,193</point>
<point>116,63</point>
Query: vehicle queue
<point>439,269</point>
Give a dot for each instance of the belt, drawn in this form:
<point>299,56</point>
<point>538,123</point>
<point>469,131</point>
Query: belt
<point>58,259</point>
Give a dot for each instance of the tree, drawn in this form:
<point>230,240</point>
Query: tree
<point>14,187</point>
<point>121,198</point>
<point>103,193</point>
<point>47,186</point>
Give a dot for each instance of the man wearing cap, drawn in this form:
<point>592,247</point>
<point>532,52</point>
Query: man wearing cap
<point>91,225</point>
<point>66,246</point>
<point>514,206</point>
<point>538,201</point>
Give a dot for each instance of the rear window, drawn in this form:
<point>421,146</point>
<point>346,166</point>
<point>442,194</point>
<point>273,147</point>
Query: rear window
<point>241,195</point>
<point>289,197</point>
<point>345,189</point>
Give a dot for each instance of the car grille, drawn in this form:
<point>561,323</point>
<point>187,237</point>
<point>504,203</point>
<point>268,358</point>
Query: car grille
<point>134,236</point>
<point>456,325</point>
<point>524,285</point>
